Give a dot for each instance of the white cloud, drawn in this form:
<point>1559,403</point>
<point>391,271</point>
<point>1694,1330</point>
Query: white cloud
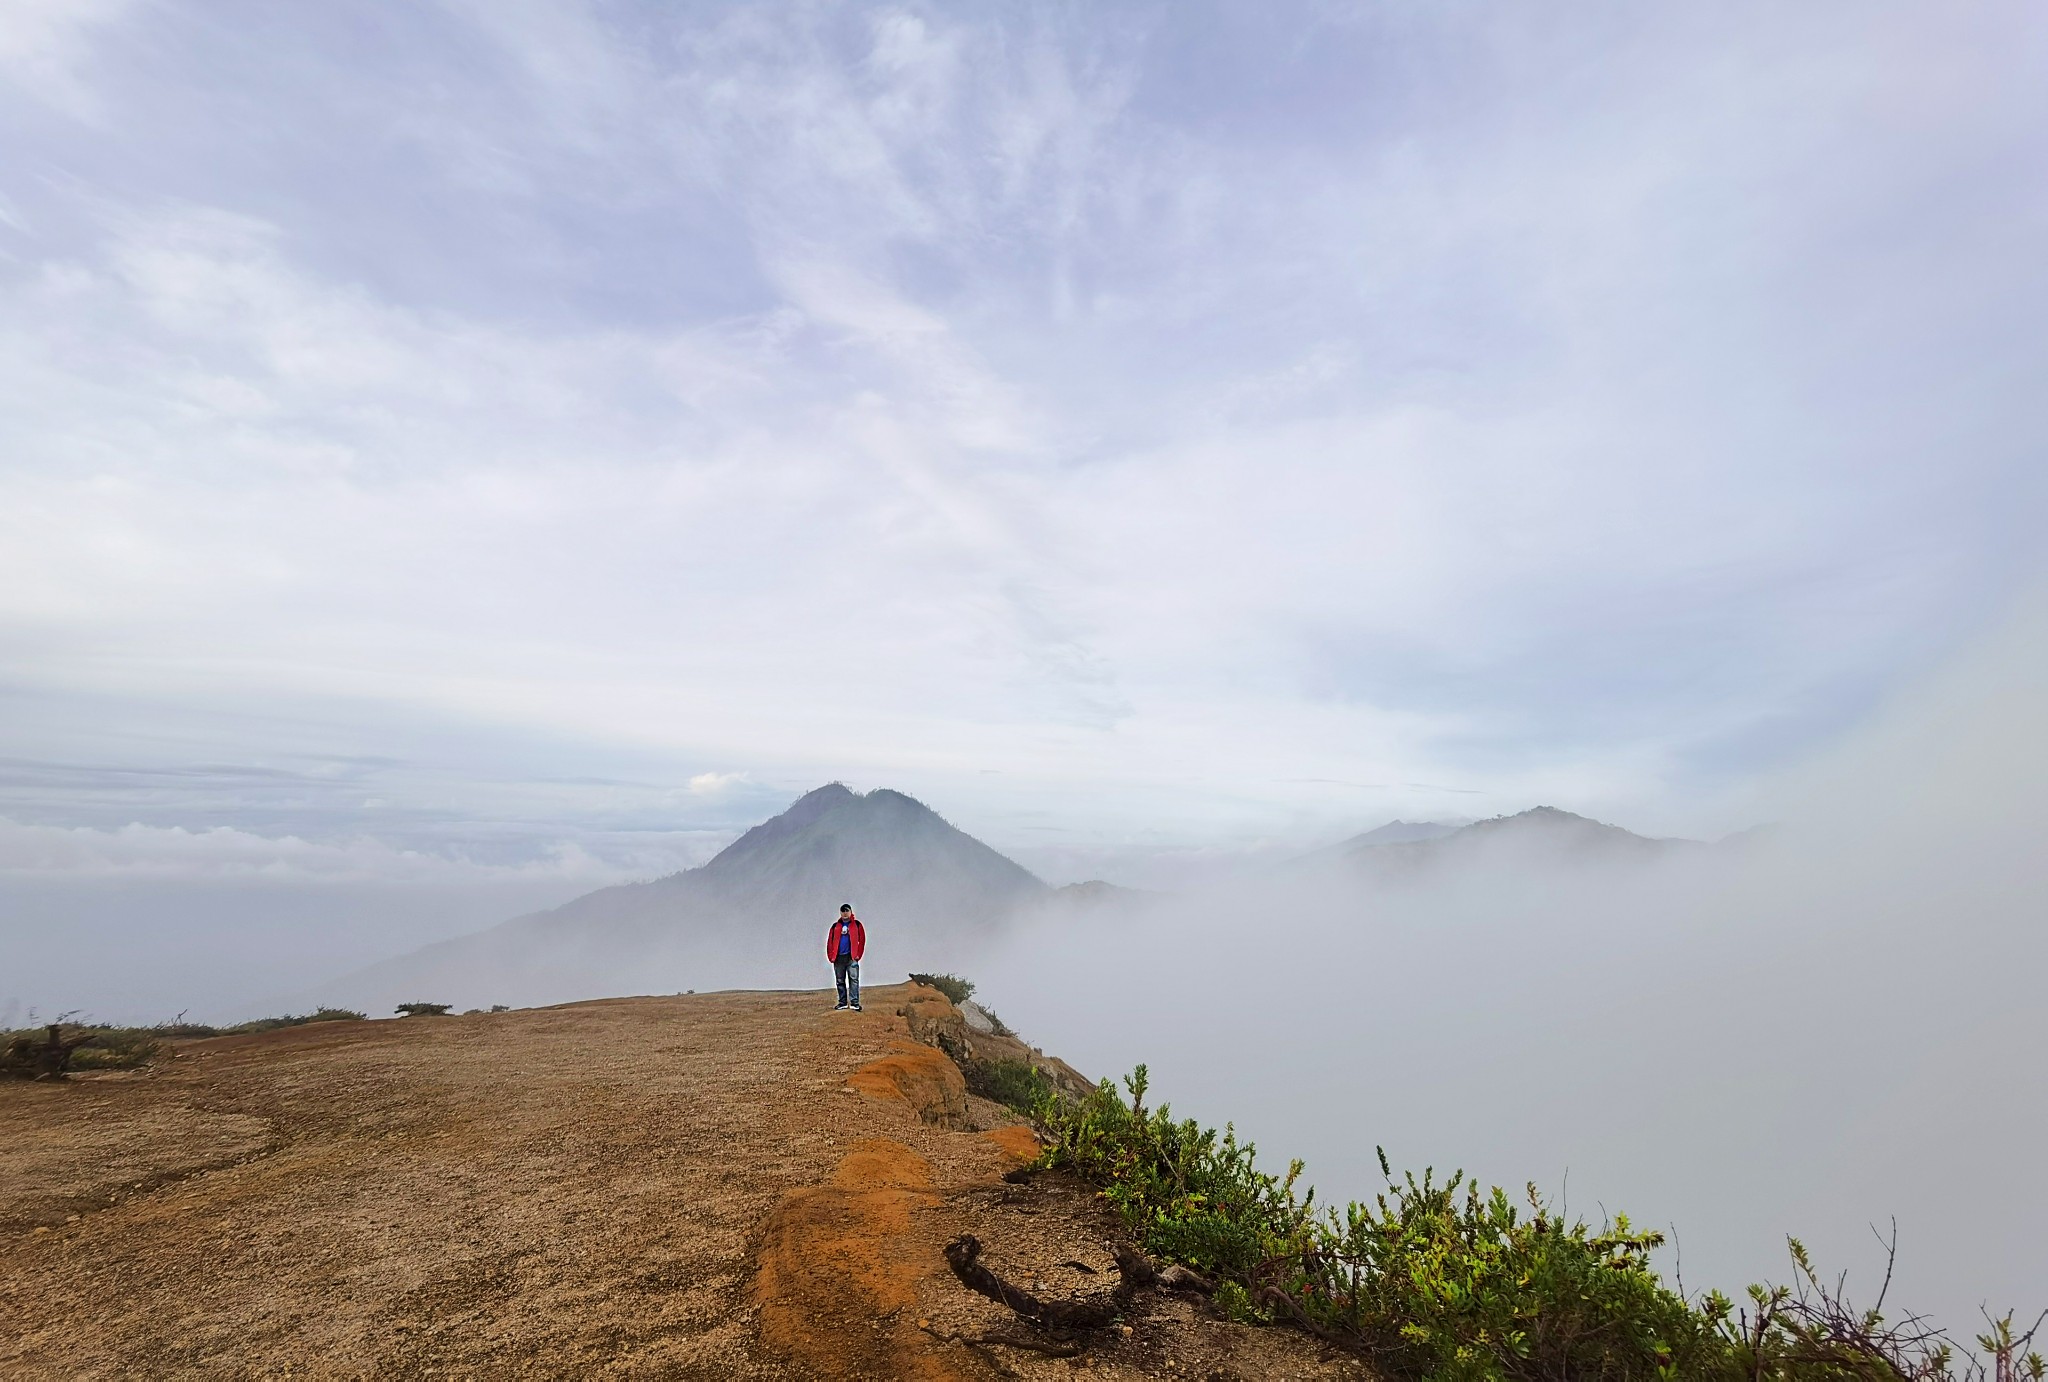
<point>222,852</point>
<point>1002,406</point>
<point>226,854</point>
<point>44,46</point>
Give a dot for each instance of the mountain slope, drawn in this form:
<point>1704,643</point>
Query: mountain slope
<point>754,916</point>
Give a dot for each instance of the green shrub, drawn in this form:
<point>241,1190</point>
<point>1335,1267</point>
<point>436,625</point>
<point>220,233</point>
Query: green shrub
<point>118,1048</point>
<point>127,1048</point>
<point>1467,1286</point>
<point>1443,1283</point>
<point>1189,1194</point>
<point>87,1047</point>
<point>178,1029</point>
<point>423,1009</point>
<point>956,989</point>
<point>271,1024</point>
<point>1235,1303</point>
<point>41,1053</point>
<point>1011,1082</point>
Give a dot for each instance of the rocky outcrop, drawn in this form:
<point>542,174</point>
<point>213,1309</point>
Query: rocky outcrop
<point>935,1021</point>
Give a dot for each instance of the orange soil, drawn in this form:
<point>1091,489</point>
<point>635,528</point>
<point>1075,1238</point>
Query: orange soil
<point>837,1285</point>
<point>922,1077</point>
<point>1018,1142</point>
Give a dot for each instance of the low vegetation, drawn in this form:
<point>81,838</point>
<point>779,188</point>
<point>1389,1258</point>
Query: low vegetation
<point>40,1053</point>
<point>117,1048</point>
<point>1444,1283</point>
<point>423,1009</point>
<point>271,1024</point>
<point>1011,1082</point>
<point>55,1049</point>
<point>956,989</point>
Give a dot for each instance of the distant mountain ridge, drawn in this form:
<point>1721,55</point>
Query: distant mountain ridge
<point>1540,835</point>
<point>753,916</point>
<point>933,897</point>
<point>1402,833</point>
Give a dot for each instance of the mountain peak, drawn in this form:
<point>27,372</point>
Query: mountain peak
<point>818,801</point>
<point>887,838</point>
<point>754,914</point>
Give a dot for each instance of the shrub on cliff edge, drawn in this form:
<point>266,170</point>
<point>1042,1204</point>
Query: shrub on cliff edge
<point>956,989</point>
<point>1443,1283</point>
<point>1010,1082</point>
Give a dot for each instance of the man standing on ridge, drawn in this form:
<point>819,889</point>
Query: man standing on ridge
<point>843,945</point>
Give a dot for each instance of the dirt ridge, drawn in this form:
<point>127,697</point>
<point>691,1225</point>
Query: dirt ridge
<point>727,1185</point>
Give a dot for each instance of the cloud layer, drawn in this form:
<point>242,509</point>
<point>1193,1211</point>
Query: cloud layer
<point>1150,413</point>
<point>225,854</point>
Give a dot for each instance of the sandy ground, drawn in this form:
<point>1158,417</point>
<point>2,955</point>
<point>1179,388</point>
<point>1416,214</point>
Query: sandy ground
<point>720,1186</point>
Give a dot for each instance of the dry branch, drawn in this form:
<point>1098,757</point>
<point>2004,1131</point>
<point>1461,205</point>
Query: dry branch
<point>1135,1274</point>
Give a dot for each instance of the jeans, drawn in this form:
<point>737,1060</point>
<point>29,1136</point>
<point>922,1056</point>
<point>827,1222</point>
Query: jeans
<point>847,972</point>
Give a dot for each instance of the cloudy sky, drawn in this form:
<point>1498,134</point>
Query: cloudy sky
<point>500,442</point>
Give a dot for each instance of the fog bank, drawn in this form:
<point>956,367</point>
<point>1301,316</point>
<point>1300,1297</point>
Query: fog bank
<point>143,950</point>
<point>1806,1032</point>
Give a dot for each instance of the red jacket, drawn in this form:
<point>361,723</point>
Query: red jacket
<point>860,936</point>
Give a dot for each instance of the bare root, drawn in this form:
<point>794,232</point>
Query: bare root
<point>1135,1273</point>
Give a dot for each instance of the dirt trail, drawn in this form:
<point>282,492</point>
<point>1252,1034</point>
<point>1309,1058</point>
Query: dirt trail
<point>720,1186</point>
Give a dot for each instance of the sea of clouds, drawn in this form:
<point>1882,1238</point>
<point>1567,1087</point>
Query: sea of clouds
<point>1811,1031</point>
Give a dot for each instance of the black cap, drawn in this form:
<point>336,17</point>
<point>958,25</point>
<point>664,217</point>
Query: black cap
<point>846,906</point>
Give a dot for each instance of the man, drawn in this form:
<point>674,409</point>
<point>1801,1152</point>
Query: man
<point>843,946</point>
